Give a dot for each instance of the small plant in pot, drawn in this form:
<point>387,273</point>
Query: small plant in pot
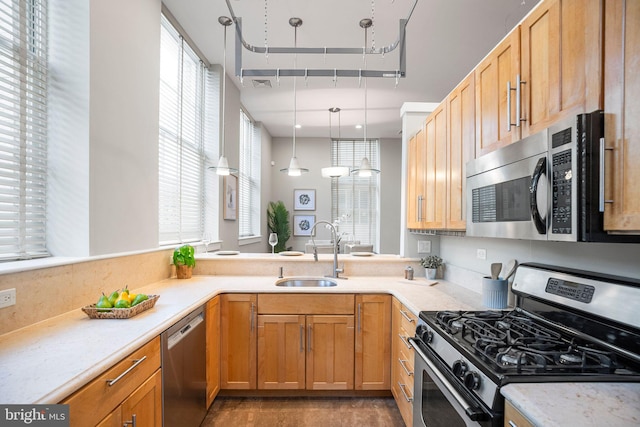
<point>431,265</point>
<point>184,260</point>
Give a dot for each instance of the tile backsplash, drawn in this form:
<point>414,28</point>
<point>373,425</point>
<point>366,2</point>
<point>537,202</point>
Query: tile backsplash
<point>46,292</point>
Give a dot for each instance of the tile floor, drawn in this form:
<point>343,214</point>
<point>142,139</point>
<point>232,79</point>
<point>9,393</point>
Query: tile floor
<point>303,412</point>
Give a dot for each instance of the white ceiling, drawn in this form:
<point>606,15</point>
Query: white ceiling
<point>445,40</point>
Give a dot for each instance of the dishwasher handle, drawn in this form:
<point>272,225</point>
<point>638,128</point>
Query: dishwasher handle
<point>179,335</point>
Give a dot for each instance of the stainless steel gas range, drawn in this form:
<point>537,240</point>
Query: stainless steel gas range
<point>568,325</point>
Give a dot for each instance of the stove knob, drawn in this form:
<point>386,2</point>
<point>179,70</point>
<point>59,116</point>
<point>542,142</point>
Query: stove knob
<point>459,368</point>
<point>425,334</point>
<point>472,380</point>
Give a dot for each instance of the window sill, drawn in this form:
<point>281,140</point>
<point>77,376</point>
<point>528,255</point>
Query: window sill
<point>242,241</point>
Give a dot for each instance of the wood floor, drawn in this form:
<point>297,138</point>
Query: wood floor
<point>303,412</point>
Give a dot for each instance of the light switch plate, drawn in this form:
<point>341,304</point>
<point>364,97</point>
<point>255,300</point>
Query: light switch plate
<point>7,297</point>
<point>424,246</point>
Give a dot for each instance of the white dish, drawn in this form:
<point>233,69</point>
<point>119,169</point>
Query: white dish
<point>361,253</point>
<point>291,253</point>
<point>227,252</point>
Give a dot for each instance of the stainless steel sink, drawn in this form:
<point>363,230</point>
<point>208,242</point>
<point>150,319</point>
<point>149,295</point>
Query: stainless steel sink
<point>306,282</point>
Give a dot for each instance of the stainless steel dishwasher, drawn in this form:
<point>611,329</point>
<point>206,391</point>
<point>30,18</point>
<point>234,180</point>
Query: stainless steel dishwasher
<point>183,371</point>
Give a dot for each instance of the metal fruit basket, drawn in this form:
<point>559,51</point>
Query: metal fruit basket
<point>120,313</point>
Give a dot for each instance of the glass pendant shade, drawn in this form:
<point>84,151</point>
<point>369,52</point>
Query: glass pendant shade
<point>223,166</point>
<point>294,168</point>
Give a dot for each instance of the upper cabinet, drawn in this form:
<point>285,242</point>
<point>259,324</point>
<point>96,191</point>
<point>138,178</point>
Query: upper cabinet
<point>415,180</point>
<point>435,164</point>
<point>622,109</point>
<point>495,104</point>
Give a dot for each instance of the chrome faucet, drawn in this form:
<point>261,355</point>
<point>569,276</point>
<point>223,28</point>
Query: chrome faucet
<point>334,237</point>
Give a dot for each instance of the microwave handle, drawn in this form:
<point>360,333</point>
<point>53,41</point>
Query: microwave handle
<point>540,169</point>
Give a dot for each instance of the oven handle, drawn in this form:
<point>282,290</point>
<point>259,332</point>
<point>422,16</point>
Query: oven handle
<point>473,413</point>
<point>541,169</point>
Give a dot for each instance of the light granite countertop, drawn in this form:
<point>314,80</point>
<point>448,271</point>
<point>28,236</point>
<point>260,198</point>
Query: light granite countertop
<point>576,404</point>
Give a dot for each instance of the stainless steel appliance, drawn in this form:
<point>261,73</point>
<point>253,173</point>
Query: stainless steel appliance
<point>549,186</point>
<point>567,325</point>
<point>183,371</point>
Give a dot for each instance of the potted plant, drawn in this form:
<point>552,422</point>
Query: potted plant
<point>431,265</point>
<point>278,222</point>
<point>184,260</point>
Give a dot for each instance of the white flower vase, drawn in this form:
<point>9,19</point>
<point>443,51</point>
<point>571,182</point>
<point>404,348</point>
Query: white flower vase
<point>431,273</point>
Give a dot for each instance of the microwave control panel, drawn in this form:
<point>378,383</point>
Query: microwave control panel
<point>562,177</point>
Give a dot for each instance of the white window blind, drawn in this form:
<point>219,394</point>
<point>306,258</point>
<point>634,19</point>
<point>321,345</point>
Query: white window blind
<point>356,197</point>
<point>249,179</point>
<point>23,128</point>
<point>187,127</point>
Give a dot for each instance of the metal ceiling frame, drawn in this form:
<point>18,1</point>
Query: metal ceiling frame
<point>400,43</point>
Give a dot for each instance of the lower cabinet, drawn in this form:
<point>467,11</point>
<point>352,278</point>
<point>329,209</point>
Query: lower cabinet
<point>213,348</point>
<point>514,418</point>
<point>373,342</point>
<point>130,390</point>
<point>402,372</point>
<point>238,334</point>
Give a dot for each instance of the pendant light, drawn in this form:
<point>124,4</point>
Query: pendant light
<point>334,171</point>
<point>294,168</point>
<point>223,164</point>
<point>365,169</point>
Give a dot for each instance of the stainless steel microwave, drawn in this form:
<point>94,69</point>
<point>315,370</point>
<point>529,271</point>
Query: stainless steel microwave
<point>547,186</point>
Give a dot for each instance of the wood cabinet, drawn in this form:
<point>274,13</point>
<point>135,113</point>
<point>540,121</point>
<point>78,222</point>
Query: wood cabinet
<point>306,341</point>
<point>373,342</point>
<point>131,388</point>
<point>561,62</point>
<point>514,418</point>
<point>402,373</point>
<point>213,348</point>
<point>415,180</point>
<point>460,105</point>
<point>238,341</point>
<point>493,111</point>
<point>622,109</point>
<point>435,165</point>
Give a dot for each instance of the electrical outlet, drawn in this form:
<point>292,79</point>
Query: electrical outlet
<point>481,254</point>
<point>424,246</point>
<point>7,297</point>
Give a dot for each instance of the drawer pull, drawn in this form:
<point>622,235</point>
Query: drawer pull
<point>406,316</point>
<point>405,340</point>
<point>405,367</point>
<point>132,422</point>
<point>406,396</point>
<point>136,362</point>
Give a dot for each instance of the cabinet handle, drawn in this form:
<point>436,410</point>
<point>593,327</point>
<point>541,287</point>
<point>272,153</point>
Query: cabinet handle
<point>601,198</point>
<point>419,213</point>
<point>136,362</point>
<point>406,396</point>
<point>251,316</point>
<point>509,106</point>
<point>309,339</point>
<point>359,317</point>
<point>404,367</point>
<point>132,422</point>
<point>406,316</point>
<point>301,338</point>
<point>405,340</point>
<point>519,84</point>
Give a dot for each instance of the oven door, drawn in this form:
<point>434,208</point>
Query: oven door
<point>438,402</point>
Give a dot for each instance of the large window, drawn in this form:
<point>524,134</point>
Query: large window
<point>355,200</point>
<point>23,128</point>
<point>188,108</point>
<point>249,186</point>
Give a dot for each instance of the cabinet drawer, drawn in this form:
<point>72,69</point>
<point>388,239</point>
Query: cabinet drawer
<point>406,355</point>
<point>306,304</point>
<point>101,396</point>
<point>403,392</point>
<point>408,320</point>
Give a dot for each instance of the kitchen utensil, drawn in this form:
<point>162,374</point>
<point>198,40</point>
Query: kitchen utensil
<point>510,268</point>
<point>495,270</point>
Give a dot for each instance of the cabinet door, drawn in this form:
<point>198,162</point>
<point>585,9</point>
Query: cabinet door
<point>373,342</point>
<point>281,351</point>
<point>330,351</point>
<point>501,66</point>
<point>415,181</point>
<point>561,62</point>
<point>145,404</point>
<point>460,149</point>
<point>403,326</point>
<point>622,108</point>
<point>213,348</point>
<point>435,162</point>
<point>238,341</point>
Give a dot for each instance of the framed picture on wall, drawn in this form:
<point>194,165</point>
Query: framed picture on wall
<point>304,200</point>
<point>302,224</point>
<point>230,197</point>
